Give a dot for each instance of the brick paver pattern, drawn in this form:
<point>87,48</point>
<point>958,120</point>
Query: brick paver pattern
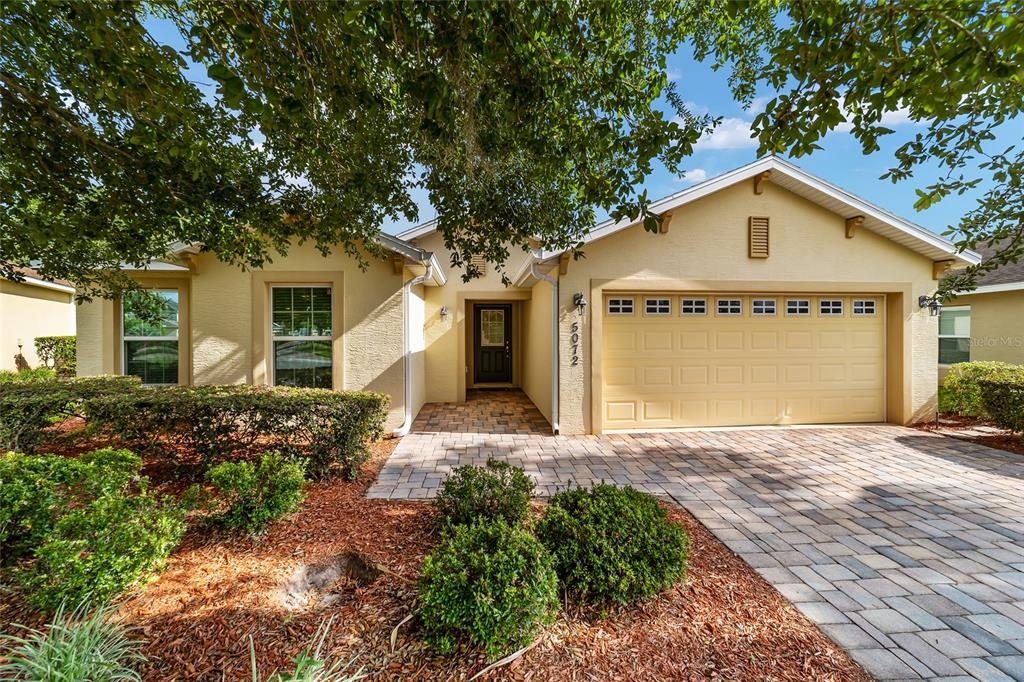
<point>905,547</point>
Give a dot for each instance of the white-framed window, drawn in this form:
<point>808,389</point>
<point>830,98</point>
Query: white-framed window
<point>149,335</point>
<point>830,307</point>
<point>620,306</point>
<point>694,306</point>
<point>301,323</point>
<point>657,306</point>
<point>729,306</point>
<point>864,307</point>
<point>762,306</point>
<point>955,334</point>
<point>796,307</point>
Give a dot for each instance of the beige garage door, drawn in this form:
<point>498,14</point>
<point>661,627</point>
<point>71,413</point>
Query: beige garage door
<point>672,360</point>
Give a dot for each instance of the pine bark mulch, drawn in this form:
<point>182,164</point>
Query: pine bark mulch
<point>724,623</point>
<point>975,430</point>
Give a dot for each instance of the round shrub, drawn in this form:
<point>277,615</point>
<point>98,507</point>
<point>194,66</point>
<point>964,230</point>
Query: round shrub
<point>961,389</point>
<point>489,493</point>
<point>613,544</point>
<point>253,495</point>
<point>490,584</point>
<point>1004,400</point>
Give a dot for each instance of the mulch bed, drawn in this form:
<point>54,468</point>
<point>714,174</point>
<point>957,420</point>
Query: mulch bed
<point>724,623</point>
<point>958,426</point>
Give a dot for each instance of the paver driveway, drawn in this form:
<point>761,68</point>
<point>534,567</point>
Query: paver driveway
<point>905,547</point>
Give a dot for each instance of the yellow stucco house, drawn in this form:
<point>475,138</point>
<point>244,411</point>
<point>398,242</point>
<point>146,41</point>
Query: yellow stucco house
<point>31,308</point>
<point>986,323</point>
<point>769,296</point>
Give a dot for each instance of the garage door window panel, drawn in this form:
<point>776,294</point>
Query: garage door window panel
<point>798,307</point>
<point>763,307</point>
<point>657,306</point>
<point>620,306</point>
<point>729,307</point>
<point>694,306</point>
<point>864,307</point>
<point>830,307</point>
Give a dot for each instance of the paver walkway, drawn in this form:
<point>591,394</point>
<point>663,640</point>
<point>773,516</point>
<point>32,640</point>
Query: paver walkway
<point>905,547</point>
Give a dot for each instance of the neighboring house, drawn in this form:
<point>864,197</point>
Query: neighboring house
<point>768,296</point>
<point>986,323</point>
<point>30,308</point>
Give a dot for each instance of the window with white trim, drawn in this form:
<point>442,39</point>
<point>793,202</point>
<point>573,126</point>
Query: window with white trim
<point>955,335</point>
<point>149,335</point>
<point>657,306</point>
<point>762,306</point>
<point>830,307</point>
<point>729,306</point>
<point>798,306</point>
<point>301,336</point>
<point>864,306</point>
<point>694,306</point>
<point>620,306</point>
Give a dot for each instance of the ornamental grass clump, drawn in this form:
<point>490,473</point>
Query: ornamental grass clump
<point>497,491</point>
<point>613,544</point>
<point>490,585</point>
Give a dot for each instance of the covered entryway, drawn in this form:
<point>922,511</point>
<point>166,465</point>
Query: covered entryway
<point>720,359</point>
<point>492,343</point>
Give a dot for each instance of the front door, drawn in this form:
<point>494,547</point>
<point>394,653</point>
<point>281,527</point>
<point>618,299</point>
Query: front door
<point>492,341</point>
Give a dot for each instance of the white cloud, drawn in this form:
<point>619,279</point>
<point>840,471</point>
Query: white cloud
<point>693,176</point>
<point>731,133</point>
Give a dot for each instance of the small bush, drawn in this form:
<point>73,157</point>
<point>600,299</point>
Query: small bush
<point>36,490</point>
<point>253,495</point>
<point>490,584</point>
<point>1003,399</point>
<point>103,548</point>
<point>35,374</point>
<point>28,408</point>
<point>58,354</point>
<point>961,392</point>
<point>330,429</point>
<point>496,491</point>
<point>613,544</point>
<point>75,646</point>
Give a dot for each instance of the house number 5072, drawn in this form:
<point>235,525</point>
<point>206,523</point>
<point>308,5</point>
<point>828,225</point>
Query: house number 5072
<point>574,344</point>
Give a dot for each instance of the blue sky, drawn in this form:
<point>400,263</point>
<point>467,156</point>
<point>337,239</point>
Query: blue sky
<point>841,160</point>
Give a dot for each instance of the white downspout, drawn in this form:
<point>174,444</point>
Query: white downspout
<point>535,271</point>
<point>406,297</point>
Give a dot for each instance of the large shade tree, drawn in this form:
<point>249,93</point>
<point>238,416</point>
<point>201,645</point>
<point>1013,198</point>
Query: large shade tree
<point>281,120</point>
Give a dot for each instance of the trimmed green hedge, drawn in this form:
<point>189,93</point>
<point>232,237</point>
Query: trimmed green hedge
<point>1003,399</point>
<point>962,393</point>
<point>613,544</point>
<point>330,429</point>
<point>27,408</point>
<point>58,354</point>
<point>8,376</point>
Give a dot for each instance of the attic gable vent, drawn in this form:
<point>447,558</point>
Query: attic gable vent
<point>478,264</point>
<point>758,237</point>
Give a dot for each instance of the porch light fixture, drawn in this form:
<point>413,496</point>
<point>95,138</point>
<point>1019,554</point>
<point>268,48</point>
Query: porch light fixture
<point>932,303</point>
<point>444,313</point>
<point>580,301</point>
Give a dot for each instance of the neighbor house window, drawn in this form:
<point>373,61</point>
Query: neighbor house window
<point>763,306</point>
<point>657,306</point>
<point>864,306</point>
<point>798,306</point>
<point>954,335</point>
<point>729,306</point>
<point>149,332</point>
<point>694,306</point>
<point>830,306</point>
<point>301,326</point>
<point>620,306</point>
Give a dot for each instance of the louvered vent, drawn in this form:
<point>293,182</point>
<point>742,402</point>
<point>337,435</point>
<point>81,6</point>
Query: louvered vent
<point>758,237</point>
<point>479,264</point>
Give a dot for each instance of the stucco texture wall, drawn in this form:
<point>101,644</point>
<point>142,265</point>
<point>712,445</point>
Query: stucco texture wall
<point>997,325</point>
<point>706,249</point>
<point>229,333</point>
<point>28,311</point>
<point>537,339</point>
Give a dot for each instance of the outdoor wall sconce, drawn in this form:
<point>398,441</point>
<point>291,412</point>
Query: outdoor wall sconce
<point>580,301</point>
<point>444,313</point>
<point>932,303</point>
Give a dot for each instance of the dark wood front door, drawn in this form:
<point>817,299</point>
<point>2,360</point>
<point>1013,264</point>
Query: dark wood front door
<point>492,343</point>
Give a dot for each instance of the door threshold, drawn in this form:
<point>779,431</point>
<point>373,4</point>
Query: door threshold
<point>498,385</point>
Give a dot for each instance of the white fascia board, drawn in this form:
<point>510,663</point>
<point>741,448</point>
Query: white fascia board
<point>155,265</point>
<point>437,273</point>
<point>992,289</point>
<point>43,284</point>
<point>419,230</point>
